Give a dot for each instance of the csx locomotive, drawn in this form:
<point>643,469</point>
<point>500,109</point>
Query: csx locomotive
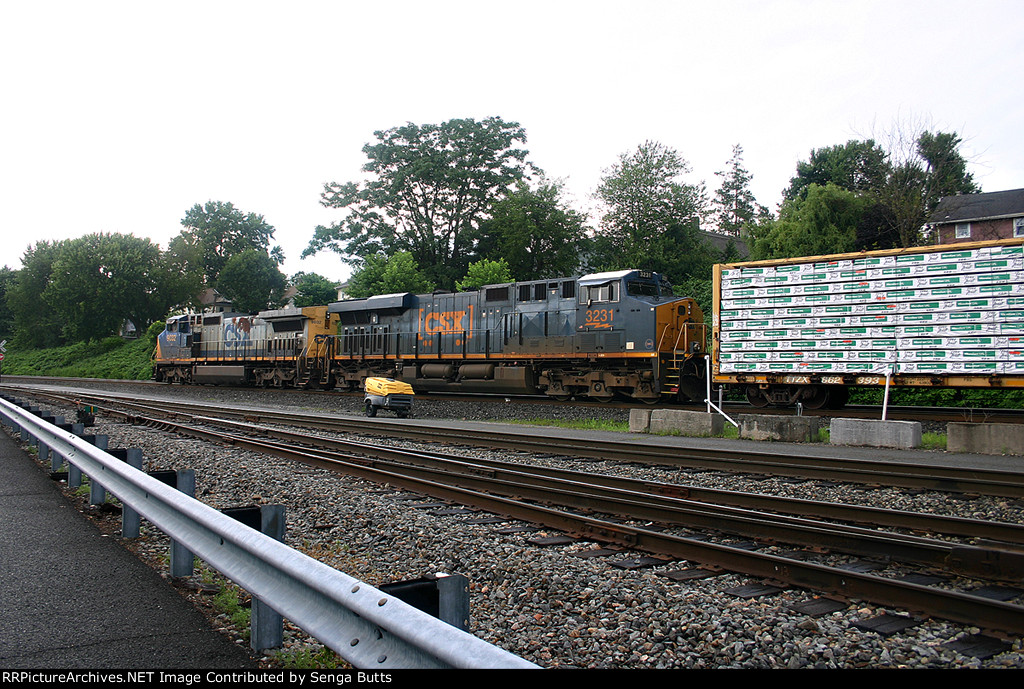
<point>597,336</point>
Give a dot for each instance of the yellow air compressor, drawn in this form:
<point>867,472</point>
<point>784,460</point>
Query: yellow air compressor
<point>388,393</point>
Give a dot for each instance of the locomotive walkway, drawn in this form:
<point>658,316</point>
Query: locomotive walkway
<point>71,598</point>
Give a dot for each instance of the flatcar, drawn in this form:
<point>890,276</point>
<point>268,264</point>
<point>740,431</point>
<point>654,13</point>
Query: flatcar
<point>808,329</point>
<point>598,336</point>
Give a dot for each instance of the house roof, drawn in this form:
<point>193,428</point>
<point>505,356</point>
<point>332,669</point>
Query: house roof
<point>988,206</point>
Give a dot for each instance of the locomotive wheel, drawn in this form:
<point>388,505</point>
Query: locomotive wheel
<point>599,392</point>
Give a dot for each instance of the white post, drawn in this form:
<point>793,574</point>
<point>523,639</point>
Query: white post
<point>885,400</point>
<point>707,369</point>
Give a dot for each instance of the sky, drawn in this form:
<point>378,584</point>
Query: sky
<point>120,116</point>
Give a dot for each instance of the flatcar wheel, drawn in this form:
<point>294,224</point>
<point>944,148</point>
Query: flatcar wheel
<point>817,399</point>
<point>561,398</point>
<point>756,397</point>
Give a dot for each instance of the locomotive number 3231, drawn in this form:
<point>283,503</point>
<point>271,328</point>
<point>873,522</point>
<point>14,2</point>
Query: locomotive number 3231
<point>599,318</point>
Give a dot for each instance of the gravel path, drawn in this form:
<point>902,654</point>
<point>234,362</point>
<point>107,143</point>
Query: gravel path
<point>544,603</point>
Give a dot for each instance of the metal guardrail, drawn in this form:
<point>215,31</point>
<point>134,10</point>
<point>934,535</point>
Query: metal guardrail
<point>365,626</point>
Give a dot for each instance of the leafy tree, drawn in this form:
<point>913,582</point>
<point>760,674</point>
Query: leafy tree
<point>734,204</point>
<point>823,221</point>
<point>534,232</point>
<point>252,281</point>
<point>7,280</point>
<point>900,183</point>
<point>484,272</point>
<point>429,189</point>
<point>216,231</point>
<point>933,168</point>
<point>36,324</point>
<point>383,275</point>
<point>858,166</point>
<point>652,218</point>
<point>99,281</point>
<point>314,290</point>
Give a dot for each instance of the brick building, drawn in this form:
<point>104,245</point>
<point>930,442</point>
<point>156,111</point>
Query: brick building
<point>978,217</point>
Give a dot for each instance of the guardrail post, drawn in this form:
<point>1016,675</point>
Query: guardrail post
<point>182,560</point>
<point>184,481</point>
<point>97,493</point>
<point>445,596</point>
<point>130,520</point>
<point>266,626</point>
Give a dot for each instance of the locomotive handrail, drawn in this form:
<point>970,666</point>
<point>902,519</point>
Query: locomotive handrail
<point>365,626</point>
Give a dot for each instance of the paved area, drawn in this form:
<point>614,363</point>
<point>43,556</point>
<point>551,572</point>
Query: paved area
<point>71,598</point>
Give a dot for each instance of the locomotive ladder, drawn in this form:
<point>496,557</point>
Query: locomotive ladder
<point>317,352</point>
<point>672,368</point>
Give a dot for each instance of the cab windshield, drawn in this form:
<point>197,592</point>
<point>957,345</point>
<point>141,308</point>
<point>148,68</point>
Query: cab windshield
<point>648,288</point>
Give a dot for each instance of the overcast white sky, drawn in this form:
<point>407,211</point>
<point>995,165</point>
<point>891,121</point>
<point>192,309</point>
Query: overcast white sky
<point>120,116</point>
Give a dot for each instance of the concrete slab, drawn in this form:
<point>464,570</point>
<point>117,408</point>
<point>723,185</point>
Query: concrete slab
<point>790,429</point>
<point>875,433</point>
<point>687,423</point>
<point>985,438</point>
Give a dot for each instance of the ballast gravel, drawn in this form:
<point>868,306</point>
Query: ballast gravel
<point>548,604</point>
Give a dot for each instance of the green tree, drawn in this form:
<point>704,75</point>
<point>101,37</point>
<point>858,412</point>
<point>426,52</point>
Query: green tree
<point>734,205</point>
<point>484,272</point>
<point>252,281</point>
<point>314,290</point>
<point>7,281</point>
<point>823,220</point>
<point>931,169</point>
<point>381,274</point>
<point>652,217</point>
<point>858,166</point>
<point>99,281</point>
<point>429,188</point>
<point>900,182</point>
<point>216,231</point>
<point>36,324</point>
<point>534,232</point>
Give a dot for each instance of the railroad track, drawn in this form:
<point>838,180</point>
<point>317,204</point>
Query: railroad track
<point>895,412</point>
<point>594,507</point>
<point>642,450</point>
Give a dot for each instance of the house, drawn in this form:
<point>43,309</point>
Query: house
<point>978,217</point>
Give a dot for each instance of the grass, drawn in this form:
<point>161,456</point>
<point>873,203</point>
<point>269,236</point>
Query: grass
<point>933,441</point>
<point>578,424</point>
<point>228,603</point>
<point>112,357</point>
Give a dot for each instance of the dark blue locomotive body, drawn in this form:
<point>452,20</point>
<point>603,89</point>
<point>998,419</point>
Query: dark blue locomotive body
<point>598,335</point>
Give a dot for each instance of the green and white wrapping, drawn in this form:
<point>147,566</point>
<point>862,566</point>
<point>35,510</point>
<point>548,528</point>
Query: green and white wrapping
<point>952,311</point>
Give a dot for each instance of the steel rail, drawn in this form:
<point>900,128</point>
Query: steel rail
<point>914,521</point>
<point>952,605</point>
<point>970,560</point>
<point>932,477</point>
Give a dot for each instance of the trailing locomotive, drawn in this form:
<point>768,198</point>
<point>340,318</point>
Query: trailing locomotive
<point>617,333</point>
